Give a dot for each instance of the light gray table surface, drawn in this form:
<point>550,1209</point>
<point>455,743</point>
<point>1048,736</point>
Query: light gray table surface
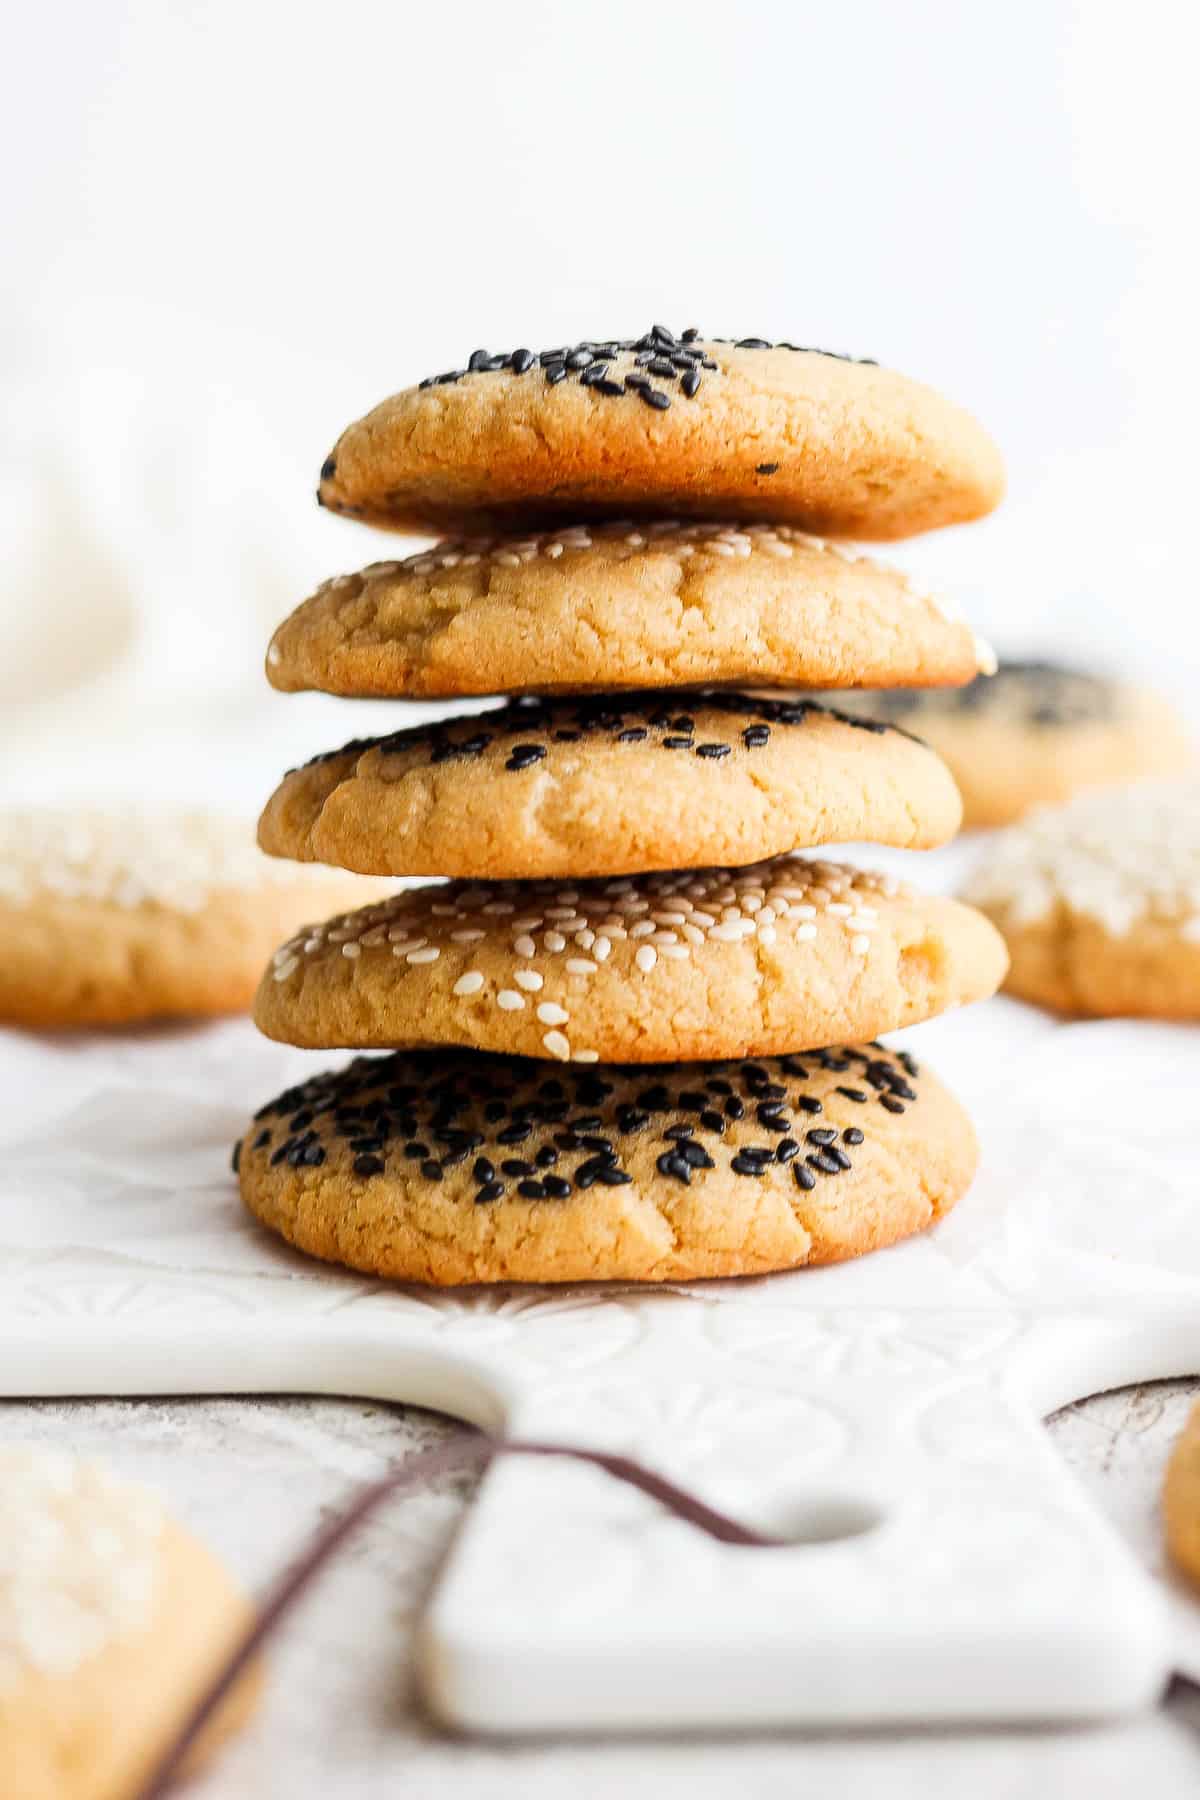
<point>341,1719</point>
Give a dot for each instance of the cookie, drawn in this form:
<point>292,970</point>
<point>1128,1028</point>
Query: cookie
<point>453,1166</point>
<point>1034,734</point>
<point>112,918</point>
<point>702,963</point>
<point>661,424</point>
<point>611,786</point>
<point>112,1619</point>
<point>1099,901</point>
<point>1181,1498</point>
<point>599,607</point>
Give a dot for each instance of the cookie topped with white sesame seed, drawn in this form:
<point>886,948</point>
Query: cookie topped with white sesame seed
<point>666,424</point>
<point>620,605</point>
<point>110,918</point>
<point>611,785</point>
<point>453,1167</point>
<point>1034,733</point>
<point>766,959</point>
<point>112,1618</point>
<point>1099,901</point>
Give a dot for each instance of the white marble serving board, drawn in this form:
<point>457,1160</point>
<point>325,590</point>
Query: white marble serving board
<point>883,1415</point>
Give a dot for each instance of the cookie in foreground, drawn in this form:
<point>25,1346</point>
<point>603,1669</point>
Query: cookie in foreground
<point>1034,734</point>
<point>670,967</point>
<point>112,1620</point>
<point>615,785</point>
<point>454,1167</point>
<point>590,608</point>
<point>111,918</point>
<point>664,423</point>
<point>1099,902</point>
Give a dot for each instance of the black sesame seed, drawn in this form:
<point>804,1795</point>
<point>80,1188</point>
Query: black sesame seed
<point>328,468</point>
<point>821,1159</point>
<point>786,1150</point>
<point>892,1106</point>
<point>855,1094</point>
<point>611,1177</point>
<point>531,1190</point>
<point>691,383</point>
<point>237,1156</point>
<point>675,1166</point>
<point>546,1157</point>
<point>525,755</point>
<point>823,1136</point>
<point>521,360</point>
<point>431,1170</point>
<point>515,1133</point>
<point>755,736</point>
<point>555,372</point>
<point>262,1140</point>
<point>655,397</point>
<point>579,359</point>
<point>734,1108</point>
<point>490,1191</point>
<point>807,1103</point>
<point>677,743</point>
<point>556,1187</point>
<point>712,1121</point>
<point>313,1156</point>
<point>514,1166</point>
<point>368,1165</point>
<point>852,1135</point>
<point>484,1171</point>
<point>767,469</point>
<point>695,1154</point>
<point>742,1164</point>
<point>803,1177</point>
<point>612,388</point>
<point>712,751</point>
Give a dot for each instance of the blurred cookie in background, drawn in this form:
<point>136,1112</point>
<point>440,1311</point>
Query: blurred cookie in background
<point>110,918</point>
<point>1181,1499</point>
<point>1034,733</point>
<point>1099,902</point>
<point>112,1620</point>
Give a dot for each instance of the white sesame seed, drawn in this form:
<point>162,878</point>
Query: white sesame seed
<point>644,928</point>
<point>677,952</point>
<point>508,1000</point>
<point>839,909</point>
<point>860,945</point>
<point>352,950</point>
<point>529,979</point>
<point>286,968</point>
<point>805,932</point>
<point>429,954</point>
<point>557,1045</point>
<point>525,946</point>
<point>470,983</point>
<point>581,965</point>
<point>767,934</point>
<point>585,1056</point>
<point>555,941</point>
<point>532,923</point>
<point>646,958</point>
<point>601,949</point>
<point>471,936</point>
<point>550,1014</point>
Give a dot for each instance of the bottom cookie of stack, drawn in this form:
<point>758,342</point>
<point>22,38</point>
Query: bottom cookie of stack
<point>459,1166</point>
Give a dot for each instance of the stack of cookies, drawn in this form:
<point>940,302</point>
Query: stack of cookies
<point>633,1034</point>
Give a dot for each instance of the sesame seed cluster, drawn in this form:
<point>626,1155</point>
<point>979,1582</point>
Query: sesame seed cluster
<point>131,858</point>
<point>78,1561</point>
<point>1119,856</point>
<point>493,1127</point>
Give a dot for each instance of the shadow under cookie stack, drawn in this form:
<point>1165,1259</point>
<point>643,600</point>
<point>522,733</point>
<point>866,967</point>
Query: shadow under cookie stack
<point>633,1035</point>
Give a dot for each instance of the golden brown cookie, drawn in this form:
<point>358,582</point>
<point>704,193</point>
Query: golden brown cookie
<point>611,786</point>
<point>620,606</point>
<point>670,967</point>
<point>662,424</point>
<point>112,1620</point>
<point>453,1166</point>
<point>1034,734</point>
<point>112,918</point>
<point>1099,902</point>
<point>1181,1498</point>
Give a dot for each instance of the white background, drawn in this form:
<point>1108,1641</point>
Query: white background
<point>234,226</point>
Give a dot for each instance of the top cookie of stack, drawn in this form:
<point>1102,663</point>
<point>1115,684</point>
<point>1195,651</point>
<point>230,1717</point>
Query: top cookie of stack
<point>587,924</point>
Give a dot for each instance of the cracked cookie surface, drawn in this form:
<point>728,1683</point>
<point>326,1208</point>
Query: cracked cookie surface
<point>455,1167</point>
<point>775,957</point>
<point>616,785</point>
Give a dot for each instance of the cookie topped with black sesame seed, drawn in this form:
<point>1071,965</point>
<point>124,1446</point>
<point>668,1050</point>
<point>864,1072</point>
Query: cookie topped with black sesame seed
<point>612,785</point>
<point>1035,733</point>
<point>621,605</point>
<point>766,959</point>
<point>455,1167</point>
<point>665,423</point>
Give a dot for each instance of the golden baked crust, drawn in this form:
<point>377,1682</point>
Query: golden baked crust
<point>1181,1498</point>
<point>612,786</point>
<point>87,1706</point>
<point>1034,734</point>
<point>593,608</point>
<point>111,919</point>
<point>836,446</point>
<point>776,957</point>
<point>453,1167</point>
<point>1099,902</point>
